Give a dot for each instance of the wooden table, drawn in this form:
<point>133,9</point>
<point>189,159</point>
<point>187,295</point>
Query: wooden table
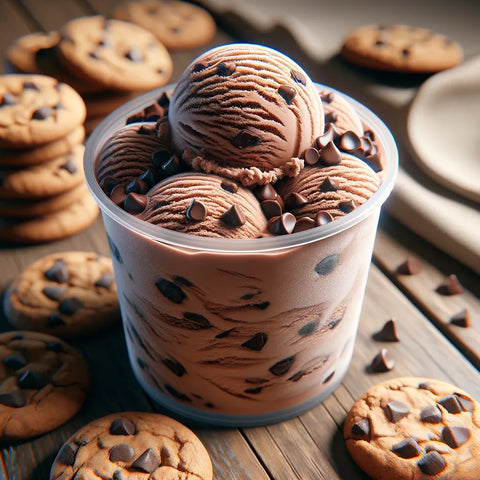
<point>310,446</point>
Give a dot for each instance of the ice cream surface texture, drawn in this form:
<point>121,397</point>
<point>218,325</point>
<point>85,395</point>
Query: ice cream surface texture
<point>245,112</point>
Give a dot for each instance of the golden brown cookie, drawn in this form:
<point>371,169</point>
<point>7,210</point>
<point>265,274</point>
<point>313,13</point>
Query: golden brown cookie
<point>42,206</point>
<point>65,294</point>
<point>44,383</point>
<point>400,48</point>
<point>54,226</point>
<point>43,153</point>
<point>415,429</point>
<point>133,445</point>
<point>117,55</point>
<point>177,24</point>
<point>43,180</point>
<point>36,109</point>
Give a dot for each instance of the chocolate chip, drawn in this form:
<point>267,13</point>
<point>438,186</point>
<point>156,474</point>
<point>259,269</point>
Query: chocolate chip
<point>425,386</point>
<point>176,367</point>
<point>382,362</point>
<point>135,203</point>
<point>462,318</point>
<point>361,427</point>
<point>328,186</point>
<point>108,184</point>
<point>231,187</point>
<point>173,292</point>
<point>330,154</point>
<point>349,141</point>
<point>163,100</point>
<point>450,286</point>
<point>295,200</point>
<point>148,177</point>
<point>245,139</point>
<point>388,333</point>
<point>233,217</point>
<point>431,463</point>
<point>327,97</point>
<point>271,208</point>
<point>70,166</point>
<point>8,99</point>
<point>55,320</point>
<point>374,161</point>
<point>147,462</point>
<point>396,410</point>
<point>94,55</point>
<point>54,347</point>
<point>431,414</point>
<point>31,380</point>
<point>175,393</point>
<point>407,448</point>
<point>304,223</point>
<point>70,305</point>
<point>225,69</point>
<point>66,455</point>
<point>282,225</point>
<point>58,272</point>
<point>122,426</point>
<point>197,211</point>
<point>105,281</point>
<point>287,93</point>
<point>121,453</point>
<point>308,328</point>
<point>322,218</point>
<point>171,166</point>
<point>327,264</point>
<point>198,67</point>
<point>196,321</point>
<point>328,136</point>
<point>53,292</point>
<point>466,402</point>
<point>298,77</point>
<point>411,266</point>
<point>311,156</point>
<point>14,361</point>
<point>451,404</point>
<point>160,157</point>
<point>135,55</point>
<point>347,206</point>
<point>405,52</point>
<point>42,113</point>
<point>282,367</point>
<point>16,399</point>
<point>266,192</point>
<point>30,86</point>
<point>136,186</point>
<point>455,436</point>
<point>257,342</point>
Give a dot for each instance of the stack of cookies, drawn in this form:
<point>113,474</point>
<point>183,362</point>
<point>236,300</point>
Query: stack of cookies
<point>43,195</point>
<point>107,61</point>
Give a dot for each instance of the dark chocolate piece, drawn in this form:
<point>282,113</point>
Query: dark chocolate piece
<point>382,362</point>
<point>396,410</point>
<point>407,448</point>
<point>122,426</point>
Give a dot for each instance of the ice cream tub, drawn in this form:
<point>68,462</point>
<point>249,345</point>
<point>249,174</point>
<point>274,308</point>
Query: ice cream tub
<point>240,332</point>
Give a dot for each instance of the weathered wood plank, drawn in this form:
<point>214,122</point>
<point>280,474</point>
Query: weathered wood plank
<point>422,351</point>
<point>393,245</point>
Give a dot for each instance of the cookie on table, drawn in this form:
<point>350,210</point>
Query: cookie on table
<point>42,206</point>
<point>37,53</point>
<point>37,109</point>
<point>44,382</point>
<point>64,223</point>
<point>415,428</point>
<point>65,294</point>
<point>115,54</point>
<point>133,445</point>
<point>400,48</point>
<point>177,24</point>
<point>43,153</point>
<point>45,179</point>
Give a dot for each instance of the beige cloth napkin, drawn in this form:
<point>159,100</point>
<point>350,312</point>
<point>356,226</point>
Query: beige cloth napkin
<point>312,32</point>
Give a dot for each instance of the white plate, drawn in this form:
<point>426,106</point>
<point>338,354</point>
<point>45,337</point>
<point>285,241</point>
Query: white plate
<point>444,128</point>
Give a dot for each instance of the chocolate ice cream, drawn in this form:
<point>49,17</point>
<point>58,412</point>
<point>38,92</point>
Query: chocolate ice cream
<point>245,112</point>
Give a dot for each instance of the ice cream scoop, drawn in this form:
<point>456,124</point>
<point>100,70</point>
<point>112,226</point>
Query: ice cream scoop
<point>201,204</point>
<point>324,193</point>
<point>245,112</point>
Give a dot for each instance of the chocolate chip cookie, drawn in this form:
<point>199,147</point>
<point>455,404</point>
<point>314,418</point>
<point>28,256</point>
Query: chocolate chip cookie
<point>44,383</point>
<point>66,294</point>
<point>117,55</point>
<point>36,109</point>
<point>178,25</point>
<point>133,445</point>
<point>400,48</point>
<point>415,428</point>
